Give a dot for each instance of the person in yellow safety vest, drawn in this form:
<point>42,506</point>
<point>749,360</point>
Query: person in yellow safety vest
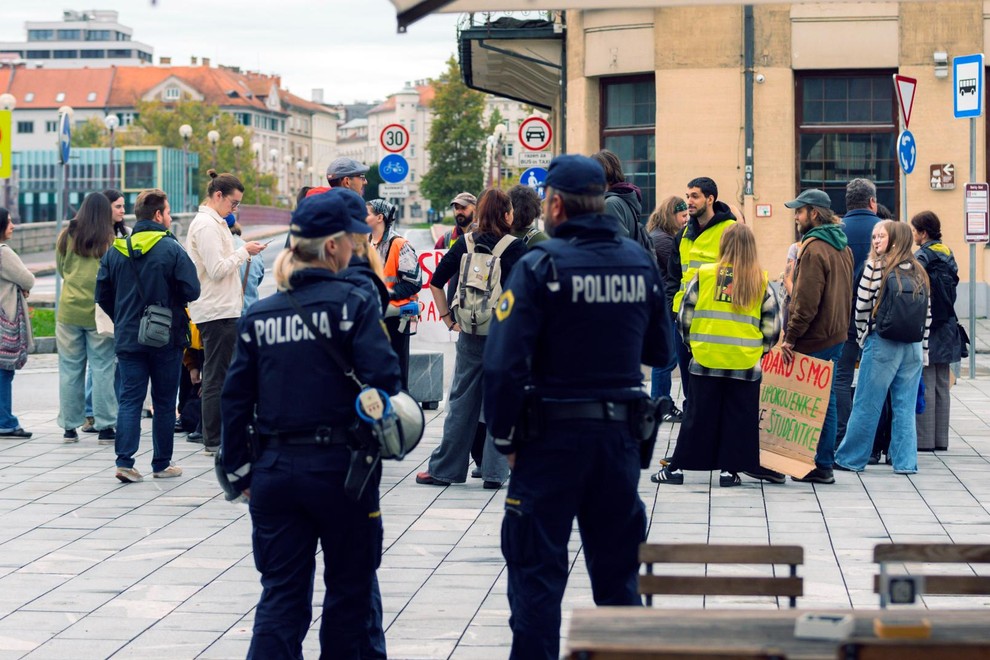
<point>403,279</point>
<point>729,315</point>
<point>696,244</point>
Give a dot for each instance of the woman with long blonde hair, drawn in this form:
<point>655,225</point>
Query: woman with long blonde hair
<point>887,363</point>
<point>729,317</point>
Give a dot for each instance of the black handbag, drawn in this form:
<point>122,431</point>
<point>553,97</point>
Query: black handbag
<point>155,328</point>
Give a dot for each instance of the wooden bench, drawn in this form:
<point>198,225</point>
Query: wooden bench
<point>913,649</point>
<point>790,586</point>
<point>935,553</point>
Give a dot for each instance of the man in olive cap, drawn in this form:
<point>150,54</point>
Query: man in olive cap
<point>820,305</point>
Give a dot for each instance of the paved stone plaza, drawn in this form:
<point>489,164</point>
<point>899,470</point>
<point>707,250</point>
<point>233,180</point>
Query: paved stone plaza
<point>92,568</point>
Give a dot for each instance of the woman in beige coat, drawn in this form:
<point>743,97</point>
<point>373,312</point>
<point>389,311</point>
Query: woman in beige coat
<point>15,283</point>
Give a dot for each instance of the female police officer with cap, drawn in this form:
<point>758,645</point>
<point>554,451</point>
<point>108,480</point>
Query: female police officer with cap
<point>303,404</point>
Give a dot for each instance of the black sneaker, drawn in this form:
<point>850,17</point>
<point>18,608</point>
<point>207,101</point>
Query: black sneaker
<point>70,436</point>
<point>668,476</point>
<point>195,436</point>
<point>765,474</point>
<point>107,436</point>
<point>874,459</point>
<point>817,476</point>
<point>728,480</point>
<point>675,416</point>
<point>476,473</point>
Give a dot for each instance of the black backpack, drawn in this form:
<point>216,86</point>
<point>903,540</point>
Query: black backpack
<point>902,310</point>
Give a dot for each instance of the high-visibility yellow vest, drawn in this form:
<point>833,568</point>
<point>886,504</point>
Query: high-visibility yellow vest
<point>723,337</point>
<point>694,253</point>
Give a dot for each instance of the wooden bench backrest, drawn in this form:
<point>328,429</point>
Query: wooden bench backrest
<point>913,649</point>
<point>790,586</point>
<point>948,553</point>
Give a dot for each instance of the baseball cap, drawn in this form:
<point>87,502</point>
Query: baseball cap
<point>344,166</point>
<point>464,199</point>
<point>336,210</point>
<point>576,174</point>
<point>810,197</point>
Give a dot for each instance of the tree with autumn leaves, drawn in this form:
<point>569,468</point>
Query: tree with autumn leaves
<point>158,125</point>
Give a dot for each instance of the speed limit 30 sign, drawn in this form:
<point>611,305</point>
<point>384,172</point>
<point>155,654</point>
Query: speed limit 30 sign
<point>394,138</point>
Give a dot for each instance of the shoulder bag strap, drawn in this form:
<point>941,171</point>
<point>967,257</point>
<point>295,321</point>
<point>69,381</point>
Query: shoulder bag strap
<point>137,276</point>
<point>503,244</point>
<point>328,346</point>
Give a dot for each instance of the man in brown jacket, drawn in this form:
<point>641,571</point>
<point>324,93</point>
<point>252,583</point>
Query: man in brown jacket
<point>820,306</point>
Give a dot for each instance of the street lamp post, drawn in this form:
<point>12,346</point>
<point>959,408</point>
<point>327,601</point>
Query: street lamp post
<point>274,156</point>
<point>299,174</point>
<point>238,143</point>
<point>7,103</point>
<point>185,131</point>
<point>256,148</point>
<point>213,137</point>
<point>499,136</point>
<point>111,122</point>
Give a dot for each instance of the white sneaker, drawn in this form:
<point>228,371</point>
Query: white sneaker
<point>168,473</point>
<point>129,475</point>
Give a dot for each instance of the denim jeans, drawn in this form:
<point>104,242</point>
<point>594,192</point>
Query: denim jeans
<point>78,346</point>
<point>449,461</point>
<point>161,367</point>
<point>843,380</point>
<point>825,454</point>
<point>660,381</point>
<point>885,365</point>
<point>7,420</point>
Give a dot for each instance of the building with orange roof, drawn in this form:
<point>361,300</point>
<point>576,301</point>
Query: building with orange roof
<point>312,130</point>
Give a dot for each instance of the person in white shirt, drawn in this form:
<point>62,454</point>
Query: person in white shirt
<point>215,313</point>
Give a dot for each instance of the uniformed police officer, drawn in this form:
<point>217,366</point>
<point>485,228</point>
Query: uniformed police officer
<point>578,315</point>
<point>301,402</point>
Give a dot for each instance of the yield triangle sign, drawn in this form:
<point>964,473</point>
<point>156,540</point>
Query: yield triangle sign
<point>905,96</point>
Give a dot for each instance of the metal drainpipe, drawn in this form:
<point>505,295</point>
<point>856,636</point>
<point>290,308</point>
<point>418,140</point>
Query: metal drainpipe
<point>749,55</point>
<point>563,85</point>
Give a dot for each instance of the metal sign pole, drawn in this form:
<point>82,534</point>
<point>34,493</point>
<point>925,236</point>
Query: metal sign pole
<point>972,259</point>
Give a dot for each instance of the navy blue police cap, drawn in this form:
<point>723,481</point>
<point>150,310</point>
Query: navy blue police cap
<point>336,210</point>
<point>579,175</point>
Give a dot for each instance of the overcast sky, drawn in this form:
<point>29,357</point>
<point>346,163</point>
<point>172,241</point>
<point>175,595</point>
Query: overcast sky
<point>350,48</point>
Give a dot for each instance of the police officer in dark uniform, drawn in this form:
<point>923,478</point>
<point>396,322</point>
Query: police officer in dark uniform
<point>578,316</point>
<point>301,403</point>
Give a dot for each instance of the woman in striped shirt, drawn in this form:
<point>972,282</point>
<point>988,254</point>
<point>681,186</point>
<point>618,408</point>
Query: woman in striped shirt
<point>886,363</point>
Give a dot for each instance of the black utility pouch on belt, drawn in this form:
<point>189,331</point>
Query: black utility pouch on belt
<point>364,460</point>
<point>644,422</point>
<point>529,426</point>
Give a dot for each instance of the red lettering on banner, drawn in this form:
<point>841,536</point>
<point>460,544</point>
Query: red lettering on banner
<point>428,311</point>
<point>428,263</point>
<point>773,363</point>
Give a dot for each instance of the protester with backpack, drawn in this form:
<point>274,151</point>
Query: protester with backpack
<point>481,262</point>
<point>893,315</point>
<point>944,347</point>
<point>623,200</point>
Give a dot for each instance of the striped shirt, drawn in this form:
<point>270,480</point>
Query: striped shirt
<point>867,292</point>
<point>769,326</point>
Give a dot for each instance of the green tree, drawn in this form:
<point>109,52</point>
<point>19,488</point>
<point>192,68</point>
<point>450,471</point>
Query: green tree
<point>456,142</point>
<point>374,180</point>
<point>158,124</point>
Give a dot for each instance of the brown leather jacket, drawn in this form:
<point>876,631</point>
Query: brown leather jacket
<point>822,297</point>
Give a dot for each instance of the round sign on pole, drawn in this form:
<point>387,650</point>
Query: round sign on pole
<point>393,168</point>
<point>535,133</point>
<point>535,178</point>
<point>907,151</point>
<point>394,138</point>
<point>64,137</point>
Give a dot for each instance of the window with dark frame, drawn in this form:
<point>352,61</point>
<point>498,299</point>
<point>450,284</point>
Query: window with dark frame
<point>628,129</point>
<point>847,129</point>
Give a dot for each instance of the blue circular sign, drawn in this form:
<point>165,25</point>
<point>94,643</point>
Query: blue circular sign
<point>393,168</point>
<point>907,151</point>
<point>535,178</point>
<point>64,137</point>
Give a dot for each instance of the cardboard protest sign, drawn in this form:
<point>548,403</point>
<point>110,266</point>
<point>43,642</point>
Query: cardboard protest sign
<point>793,402</point>
<point>431,326</point>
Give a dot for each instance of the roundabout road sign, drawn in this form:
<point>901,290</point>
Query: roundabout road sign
<point>907,151</point>
<point>394,138</point>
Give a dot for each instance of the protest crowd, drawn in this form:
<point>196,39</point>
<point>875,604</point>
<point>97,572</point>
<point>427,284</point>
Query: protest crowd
<point>837,360</point>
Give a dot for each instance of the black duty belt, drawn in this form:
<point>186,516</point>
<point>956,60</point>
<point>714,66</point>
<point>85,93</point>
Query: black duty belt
<point>320,436</point>
<point>613,411</point>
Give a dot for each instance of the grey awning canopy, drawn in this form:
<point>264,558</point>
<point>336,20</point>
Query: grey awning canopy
<point>515,59</point>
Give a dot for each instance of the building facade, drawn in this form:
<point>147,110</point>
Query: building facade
<point>90,39</point>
